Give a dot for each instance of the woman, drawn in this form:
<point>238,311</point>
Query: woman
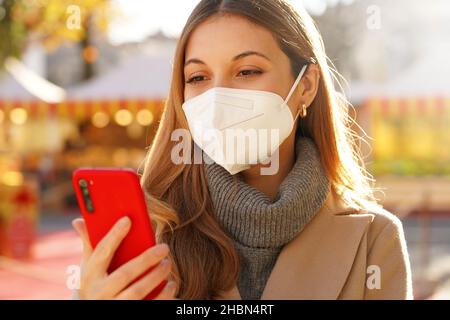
<point>311,229</point>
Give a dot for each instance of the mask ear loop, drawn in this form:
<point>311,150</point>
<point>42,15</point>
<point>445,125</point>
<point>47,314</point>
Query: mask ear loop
<point>294,86</point>
<point>297,81</point>
<point>296,117</point>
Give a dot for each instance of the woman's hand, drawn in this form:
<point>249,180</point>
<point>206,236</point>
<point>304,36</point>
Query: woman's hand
<point>96,283</point>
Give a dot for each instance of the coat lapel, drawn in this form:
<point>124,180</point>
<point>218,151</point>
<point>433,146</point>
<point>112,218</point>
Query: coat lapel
<point>316,263</point>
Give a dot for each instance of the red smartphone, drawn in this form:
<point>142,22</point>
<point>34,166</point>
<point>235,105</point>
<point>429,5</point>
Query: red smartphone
<point>104,196</point>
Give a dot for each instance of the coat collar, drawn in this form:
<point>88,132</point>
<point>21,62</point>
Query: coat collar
<point>316,263</point>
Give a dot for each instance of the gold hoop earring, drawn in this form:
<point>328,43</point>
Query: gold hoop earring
<point>303,111</point>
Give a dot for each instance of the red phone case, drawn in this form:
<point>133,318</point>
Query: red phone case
<point>116,193</point>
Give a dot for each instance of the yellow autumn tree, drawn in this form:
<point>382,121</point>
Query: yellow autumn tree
<point>50,22</point>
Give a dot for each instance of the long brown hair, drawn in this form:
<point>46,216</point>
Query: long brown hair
<point>205,261</point>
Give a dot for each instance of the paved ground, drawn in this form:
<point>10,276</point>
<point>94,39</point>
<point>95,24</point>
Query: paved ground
<point>430,256</point>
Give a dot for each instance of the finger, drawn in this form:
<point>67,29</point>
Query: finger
<point>104,251</point>
<point>142,287</point>
<point>80,227</point>
<point>168,293</point>
<point>123,276</point>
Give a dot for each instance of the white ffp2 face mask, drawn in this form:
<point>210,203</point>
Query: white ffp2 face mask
<point>238,127</point>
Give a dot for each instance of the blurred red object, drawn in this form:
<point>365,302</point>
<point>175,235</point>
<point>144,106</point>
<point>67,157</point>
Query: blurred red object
<point>18,211</point>
<point>46,275</point>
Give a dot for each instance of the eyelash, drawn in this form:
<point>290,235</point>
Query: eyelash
<point>253,72</point>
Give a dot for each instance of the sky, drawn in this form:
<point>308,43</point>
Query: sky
<point>139,18</point>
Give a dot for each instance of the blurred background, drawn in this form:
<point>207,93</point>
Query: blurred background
<point>83,83</point>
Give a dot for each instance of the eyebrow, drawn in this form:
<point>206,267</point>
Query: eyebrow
<point>239,56</point>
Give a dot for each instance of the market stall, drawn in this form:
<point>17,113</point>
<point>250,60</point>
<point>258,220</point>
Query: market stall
<point>97,124</point>
<point>408,118</point>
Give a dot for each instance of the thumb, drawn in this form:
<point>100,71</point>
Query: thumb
<point>80,227</point>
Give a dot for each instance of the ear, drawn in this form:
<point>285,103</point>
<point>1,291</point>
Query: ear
<point>309,84</point>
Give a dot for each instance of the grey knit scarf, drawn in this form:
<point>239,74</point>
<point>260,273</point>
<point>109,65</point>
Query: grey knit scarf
<point>259,227</point>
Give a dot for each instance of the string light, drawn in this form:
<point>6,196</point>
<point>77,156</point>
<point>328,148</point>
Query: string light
<point>18,116</point>
<point>100,119</point>
<point>144,117</point>
<point>12,178</point>
<point>123,117</point>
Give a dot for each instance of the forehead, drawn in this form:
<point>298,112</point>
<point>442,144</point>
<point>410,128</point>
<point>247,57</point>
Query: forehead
<point>227,35</point>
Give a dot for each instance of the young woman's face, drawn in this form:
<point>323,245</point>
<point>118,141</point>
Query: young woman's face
<point>230,51</point>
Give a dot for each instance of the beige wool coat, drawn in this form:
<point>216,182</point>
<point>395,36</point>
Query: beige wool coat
<point>335,255</point>
<point>342,253</point>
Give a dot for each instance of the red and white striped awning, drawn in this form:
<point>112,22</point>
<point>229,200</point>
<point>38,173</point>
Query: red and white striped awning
<point>402,105</point>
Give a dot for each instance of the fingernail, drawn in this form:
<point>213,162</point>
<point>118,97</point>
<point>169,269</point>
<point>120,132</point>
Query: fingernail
<point>171,285</point>
<point>160,249</point>
<point>165,263</point>
<point>124,221</point>
<point>74,224</point>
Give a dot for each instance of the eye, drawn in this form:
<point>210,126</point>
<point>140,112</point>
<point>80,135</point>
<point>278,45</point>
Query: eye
<point>249,72</point>
<point>195,79</point>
